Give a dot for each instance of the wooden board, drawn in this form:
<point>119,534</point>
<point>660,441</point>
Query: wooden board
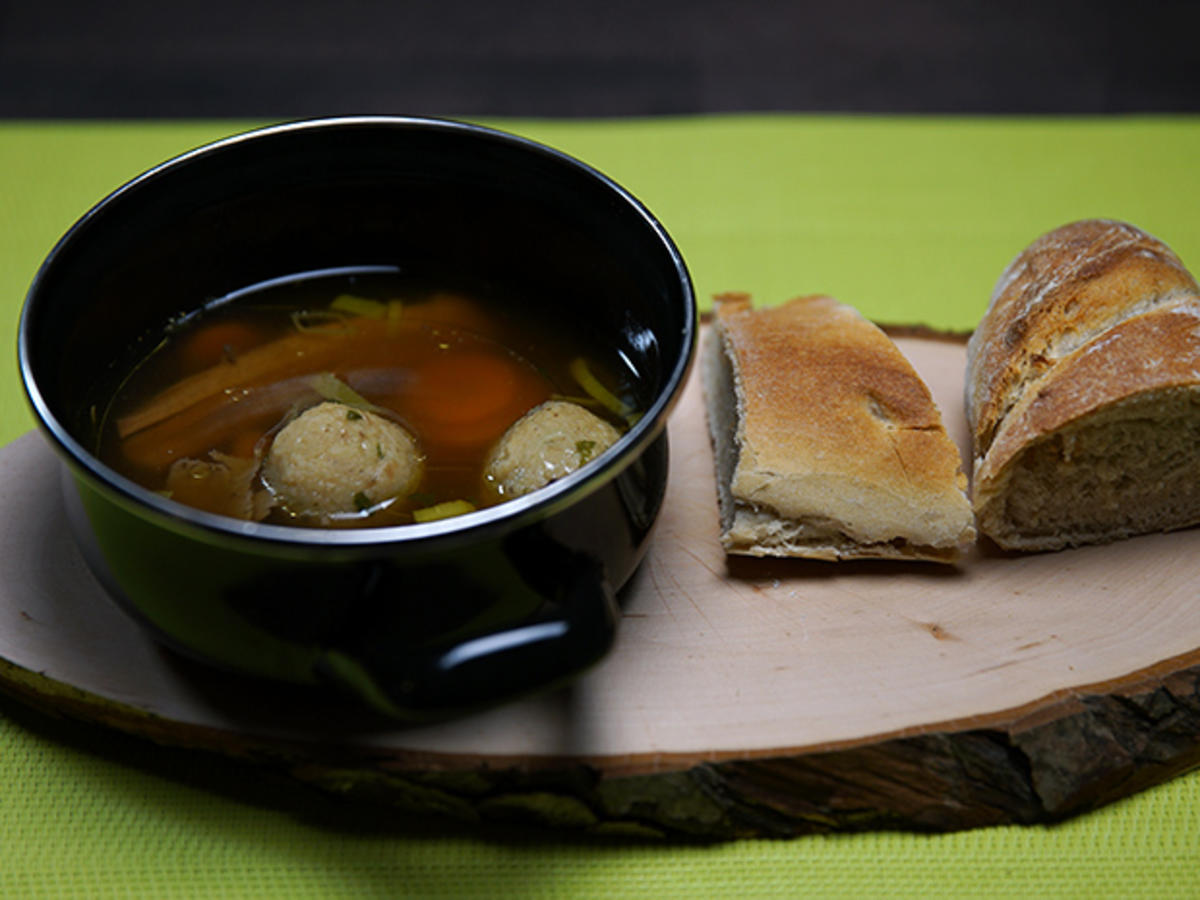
<point>744,697</point>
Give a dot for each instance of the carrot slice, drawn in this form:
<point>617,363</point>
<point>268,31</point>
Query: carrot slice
<point>282,358</point>
<point>470,396</point>
<point>217,342</point>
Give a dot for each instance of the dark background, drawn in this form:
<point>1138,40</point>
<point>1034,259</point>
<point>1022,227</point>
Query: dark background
<point>238,58</point>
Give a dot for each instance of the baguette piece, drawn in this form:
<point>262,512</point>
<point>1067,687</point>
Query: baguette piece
<point>827,443</point>
<point>1083,391</point>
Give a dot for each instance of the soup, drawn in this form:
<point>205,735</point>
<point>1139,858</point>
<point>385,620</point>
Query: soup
<point>362,398</point>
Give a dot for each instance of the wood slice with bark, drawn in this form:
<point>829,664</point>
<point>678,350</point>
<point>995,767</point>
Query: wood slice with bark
<point>744,697</point>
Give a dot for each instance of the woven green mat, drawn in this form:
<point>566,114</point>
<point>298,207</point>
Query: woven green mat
<point>909,219</point>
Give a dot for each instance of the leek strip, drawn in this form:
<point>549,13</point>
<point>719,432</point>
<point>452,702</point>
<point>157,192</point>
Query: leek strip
<point>333,388</point>
<point>330,387</point>
<point>592,386</point>
<point>359,306</point>
<point>583,401</point>
<point>442,510</point>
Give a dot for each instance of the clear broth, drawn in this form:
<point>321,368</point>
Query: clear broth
<point>455,368</point>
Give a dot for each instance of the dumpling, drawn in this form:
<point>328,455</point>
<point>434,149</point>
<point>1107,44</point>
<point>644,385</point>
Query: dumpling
<point>548,442</point>
<point>335,460</point>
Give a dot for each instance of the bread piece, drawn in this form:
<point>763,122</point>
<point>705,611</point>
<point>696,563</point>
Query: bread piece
<point>1083,392</point>
<point>828,445</point>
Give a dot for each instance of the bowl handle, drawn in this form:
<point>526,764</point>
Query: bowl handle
<point>566,636</point>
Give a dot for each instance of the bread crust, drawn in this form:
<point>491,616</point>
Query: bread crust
<point>828,444</point>
<point>1090,317</point>
<point>1066,288</point>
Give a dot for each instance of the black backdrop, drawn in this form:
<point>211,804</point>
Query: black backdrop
<point>276,59</point>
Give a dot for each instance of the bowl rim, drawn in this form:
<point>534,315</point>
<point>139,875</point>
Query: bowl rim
<point>512,513</point>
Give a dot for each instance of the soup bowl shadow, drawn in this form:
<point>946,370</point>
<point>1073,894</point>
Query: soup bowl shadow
<point>420,621</point>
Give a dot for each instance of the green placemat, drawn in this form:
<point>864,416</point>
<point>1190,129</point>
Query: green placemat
<point>908,219</point>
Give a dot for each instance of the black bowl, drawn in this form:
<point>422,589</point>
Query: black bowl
<point>423,620</point>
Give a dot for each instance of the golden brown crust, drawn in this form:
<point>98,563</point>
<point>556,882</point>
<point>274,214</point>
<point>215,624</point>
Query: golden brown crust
<point>1066,287</point>
<point>838,375</point>
<point>1094,326</point>
<point>1156,351</point>
<point>835,427</point>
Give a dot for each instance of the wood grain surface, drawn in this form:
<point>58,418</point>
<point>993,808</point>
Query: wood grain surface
<point>744,697</point>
